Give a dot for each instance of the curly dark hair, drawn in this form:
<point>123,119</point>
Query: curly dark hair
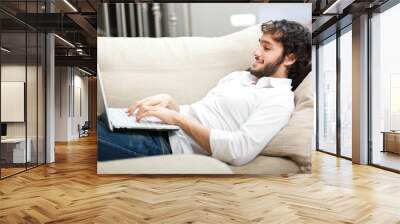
<point>296,40</point>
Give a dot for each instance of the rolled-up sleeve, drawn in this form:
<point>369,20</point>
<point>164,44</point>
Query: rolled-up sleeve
<point>241,146</point>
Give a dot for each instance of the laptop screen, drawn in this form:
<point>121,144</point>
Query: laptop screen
<point>3,129</point>
<point>102,102</point>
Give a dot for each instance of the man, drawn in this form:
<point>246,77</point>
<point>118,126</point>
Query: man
<point>237,118</point>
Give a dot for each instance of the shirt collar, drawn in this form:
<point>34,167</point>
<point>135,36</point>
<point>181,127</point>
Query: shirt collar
<point>270,82</point>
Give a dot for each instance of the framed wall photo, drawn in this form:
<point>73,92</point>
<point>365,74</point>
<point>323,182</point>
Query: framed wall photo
<point>12,101</point>
<point>196,85</point>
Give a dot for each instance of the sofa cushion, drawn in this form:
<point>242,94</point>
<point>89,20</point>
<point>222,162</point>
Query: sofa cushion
<point>187,68</point>
<point>134,68</point>
<point>295,139</point>
<point>165,164</point>
<point>268,166</point>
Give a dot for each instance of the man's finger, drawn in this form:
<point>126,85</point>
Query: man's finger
<point>140,111</point>
<point>151,102</point>
<point>144,114</point>
<point>147,102</point>
<point>148,111</point>
<point>144,109</point>
<point>129,111</point>
<point>133,107</point>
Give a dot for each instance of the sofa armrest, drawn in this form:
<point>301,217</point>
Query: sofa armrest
<point>267,165</point>
<point>165,164</point>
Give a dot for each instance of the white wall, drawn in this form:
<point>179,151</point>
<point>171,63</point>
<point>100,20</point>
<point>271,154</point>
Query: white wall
<point>213,19</point>
<point>62,82</point>
<point>14,73</point>
<point>34,125</point>
<point>17,73</point>
<point>79,117</point>
<point>70,84</point>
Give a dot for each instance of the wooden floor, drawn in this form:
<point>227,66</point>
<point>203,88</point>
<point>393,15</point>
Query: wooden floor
<point>10,171</point>
<point>387,159</point>
<point>70,191</point>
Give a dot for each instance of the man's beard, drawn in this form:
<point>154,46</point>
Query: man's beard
<point>269,69</point>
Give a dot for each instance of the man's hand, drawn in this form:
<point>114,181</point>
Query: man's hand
<point>164,114</point>
<point>160,100</point>
<point>191,127</point>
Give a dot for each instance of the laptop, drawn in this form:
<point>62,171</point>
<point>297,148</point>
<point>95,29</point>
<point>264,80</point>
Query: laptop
<point>117,118</point>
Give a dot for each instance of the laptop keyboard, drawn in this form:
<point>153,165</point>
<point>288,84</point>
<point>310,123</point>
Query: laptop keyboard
<point>120,119</point>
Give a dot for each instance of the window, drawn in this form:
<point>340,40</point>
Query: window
<point>385,88</point>
<point>346,92</point>
<point>22,73</point>
<point>394,101</point>
<point>327,95</point>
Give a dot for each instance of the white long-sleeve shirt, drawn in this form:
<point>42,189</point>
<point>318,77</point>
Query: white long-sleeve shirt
<point>243,115</point>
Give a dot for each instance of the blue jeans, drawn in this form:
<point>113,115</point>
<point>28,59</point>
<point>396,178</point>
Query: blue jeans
<point>129,143</point>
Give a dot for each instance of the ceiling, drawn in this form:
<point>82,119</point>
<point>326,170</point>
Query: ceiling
<point>72,20</point>
<point>76,21</point>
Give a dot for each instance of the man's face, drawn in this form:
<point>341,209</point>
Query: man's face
<point>268,57</point>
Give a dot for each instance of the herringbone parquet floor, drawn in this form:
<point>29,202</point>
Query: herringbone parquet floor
<point>70,191</point>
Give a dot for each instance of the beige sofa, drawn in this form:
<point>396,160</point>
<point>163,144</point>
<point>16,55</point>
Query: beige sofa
<point>186,68</point>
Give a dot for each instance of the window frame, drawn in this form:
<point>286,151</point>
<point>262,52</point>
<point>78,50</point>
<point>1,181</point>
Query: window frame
<point>333,37</point>
<point>379,10</point>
